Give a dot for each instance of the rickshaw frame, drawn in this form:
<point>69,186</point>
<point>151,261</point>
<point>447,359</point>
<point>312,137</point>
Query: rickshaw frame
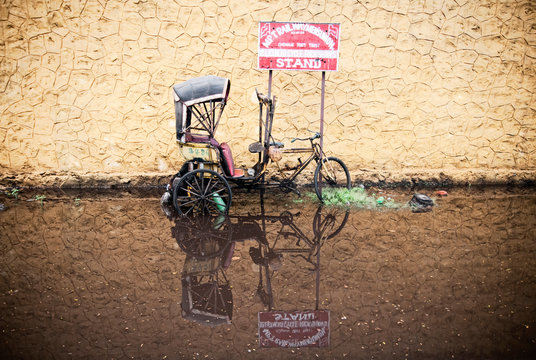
<point>202,184</point>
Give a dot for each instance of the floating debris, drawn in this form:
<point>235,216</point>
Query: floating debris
<point>421,203</point>
<point>166,204</point>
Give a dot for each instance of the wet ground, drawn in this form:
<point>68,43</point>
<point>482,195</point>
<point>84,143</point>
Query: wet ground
<point>108,275</point>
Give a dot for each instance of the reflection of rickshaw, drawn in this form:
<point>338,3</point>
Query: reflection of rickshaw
<point>209,242</point>
<point>206,294</point>
<point>206,237</point>
<point>202,184</point>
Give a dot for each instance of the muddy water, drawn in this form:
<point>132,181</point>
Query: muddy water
<point>110,276</point>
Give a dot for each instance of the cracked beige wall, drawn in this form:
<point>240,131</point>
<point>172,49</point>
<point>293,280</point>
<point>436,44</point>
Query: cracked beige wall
<point>441,85</point>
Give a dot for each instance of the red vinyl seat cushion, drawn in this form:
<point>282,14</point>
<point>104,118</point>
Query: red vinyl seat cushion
<point>228,163</point>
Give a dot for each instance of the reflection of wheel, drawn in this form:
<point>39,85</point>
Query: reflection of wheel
<point>328,222</point>
<point>286,218</point>
<point>203,237</point>
<point>202,192</point>
<point>334,175</point>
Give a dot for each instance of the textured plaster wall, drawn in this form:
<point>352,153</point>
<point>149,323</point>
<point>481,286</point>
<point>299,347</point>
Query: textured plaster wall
<point>424,86</point>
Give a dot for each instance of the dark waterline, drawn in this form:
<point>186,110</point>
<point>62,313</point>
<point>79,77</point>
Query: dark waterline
<point>106,275</point>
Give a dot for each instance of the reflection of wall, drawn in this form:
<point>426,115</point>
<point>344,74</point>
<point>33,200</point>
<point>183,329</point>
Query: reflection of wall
<point>104,278</point>
<point>437,85</point>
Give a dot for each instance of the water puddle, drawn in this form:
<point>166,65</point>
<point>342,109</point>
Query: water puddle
<point>110,275</point>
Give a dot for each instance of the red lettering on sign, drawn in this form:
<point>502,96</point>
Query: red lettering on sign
<point>298,46</point>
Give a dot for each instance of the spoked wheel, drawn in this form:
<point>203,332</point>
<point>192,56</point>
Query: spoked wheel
<point>202,191</point>
<point>328,222</point>
<point>334,175</point>
<point>203,237</point>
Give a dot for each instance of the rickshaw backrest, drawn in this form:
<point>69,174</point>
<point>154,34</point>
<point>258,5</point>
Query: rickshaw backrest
<point>227,159</point>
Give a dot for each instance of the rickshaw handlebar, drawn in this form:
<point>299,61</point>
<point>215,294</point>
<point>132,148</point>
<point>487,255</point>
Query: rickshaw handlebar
<point>262,98</point>
<point>314,137</point>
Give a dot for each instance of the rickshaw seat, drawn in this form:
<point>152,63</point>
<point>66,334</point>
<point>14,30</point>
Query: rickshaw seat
<point>228,163</point>
<point>195,138</point>
<point>225,151</point>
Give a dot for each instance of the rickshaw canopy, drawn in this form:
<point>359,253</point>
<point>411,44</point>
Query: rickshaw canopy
<point>199,103</point>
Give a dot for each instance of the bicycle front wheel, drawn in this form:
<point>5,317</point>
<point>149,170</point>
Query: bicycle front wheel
<point>331,173</point>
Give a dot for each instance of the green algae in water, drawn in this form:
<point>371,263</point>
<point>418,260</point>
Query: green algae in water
<point>15,193</point>
<point>41,199</point>
<point>356,197</point>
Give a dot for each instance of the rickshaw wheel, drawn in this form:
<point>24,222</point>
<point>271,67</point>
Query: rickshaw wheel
<point>202,192</point>
<point>203,237</point>
<point>335,175</point>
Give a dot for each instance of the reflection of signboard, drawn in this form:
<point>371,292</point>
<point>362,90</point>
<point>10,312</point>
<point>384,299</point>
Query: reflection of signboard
<point>294,328</point>
<point>298,46</point>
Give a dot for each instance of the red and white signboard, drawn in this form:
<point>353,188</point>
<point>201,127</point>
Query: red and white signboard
<point>298,46</point>
<point>294,328</point>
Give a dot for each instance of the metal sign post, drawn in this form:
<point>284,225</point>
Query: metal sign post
<point>323,91</point>
<point>302,47</point>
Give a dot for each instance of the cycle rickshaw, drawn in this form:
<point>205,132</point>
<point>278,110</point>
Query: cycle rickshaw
<point>202,184</point>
